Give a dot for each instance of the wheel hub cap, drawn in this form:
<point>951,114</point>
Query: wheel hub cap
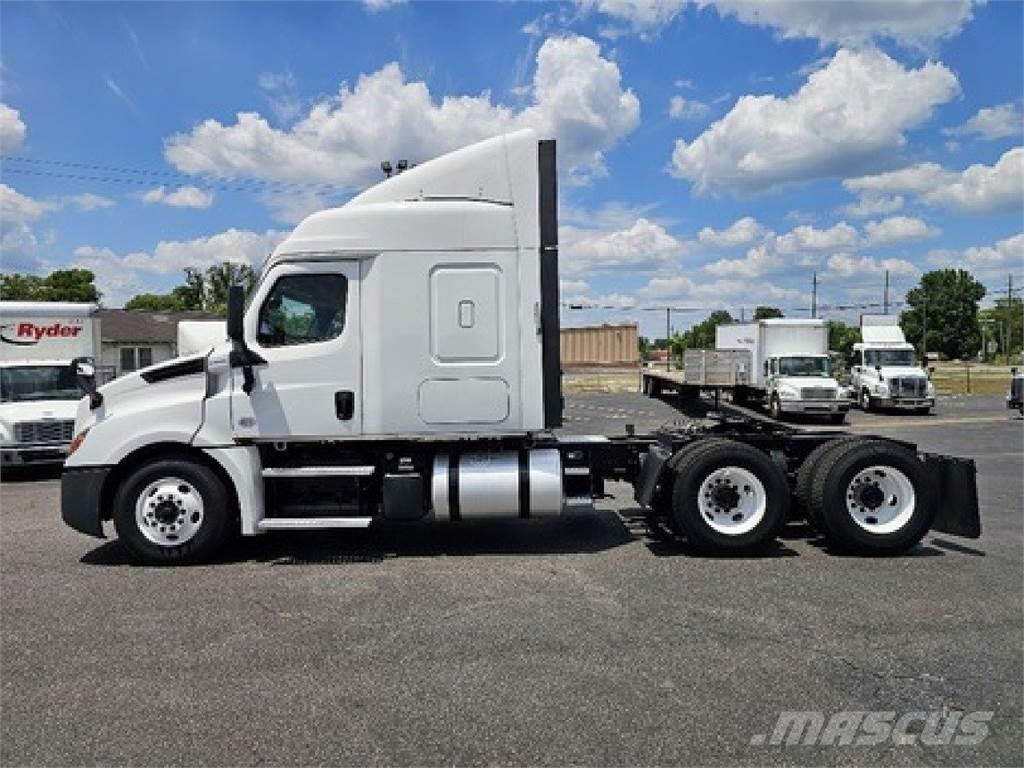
<point>881,499</point>
<point>169,512</point>
<point>732,500</point>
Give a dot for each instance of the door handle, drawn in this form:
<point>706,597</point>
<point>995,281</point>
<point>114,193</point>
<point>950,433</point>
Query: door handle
<point>344,404</point>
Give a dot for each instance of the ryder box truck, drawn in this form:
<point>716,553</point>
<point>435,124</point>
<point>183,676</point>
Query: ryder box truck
<point>38,393</point>
<point>398,360</point>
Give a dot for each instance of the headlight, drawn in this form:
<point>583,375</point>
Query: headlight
<point>881,388</point>
<point>77,440</point>
<point>788,393</point>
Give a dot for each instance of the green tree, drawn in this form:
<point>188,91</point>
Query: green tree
<point>842,337</point>
<point>155,302</point>
<point>702,335</point>
<point>996,320</point>
<point>59,285</point>
<point>202,291</point>
<point>763,313</point>
<point>946,303</point>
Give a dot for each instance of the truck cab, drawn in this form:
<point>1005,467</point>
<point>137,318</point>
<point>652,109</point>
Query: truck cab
<point>884,372</point>
<point>803,384</point>
<point>38,392</point>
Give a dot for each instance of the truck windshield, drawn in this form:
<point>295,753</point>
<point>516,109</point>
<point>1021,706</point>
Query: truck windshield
<point>25,383</point>
<point>873,357</point>
<point>805,366</point>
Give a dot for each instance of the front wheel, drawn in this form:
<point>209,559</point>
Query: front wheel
<point>837,418</point>
<point>171,510</point>
<point>872,497</point>
<point>728,497</point>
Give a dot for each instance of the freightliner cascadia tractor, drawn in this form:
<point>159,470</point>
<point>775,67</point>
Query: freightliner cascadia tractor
<point>398,361</point>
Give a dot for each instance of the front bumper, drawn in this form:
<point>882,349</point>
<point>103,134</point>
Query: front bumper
<point>28,454</point>
<point>81,489</point>
<point>905,402</point>
<point>814,406</point>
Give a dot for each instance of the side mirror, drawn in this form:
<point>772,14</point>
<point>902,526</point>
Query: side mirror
<point>84,371</point>
<point>878,368</point>
<point>236,311</point>
<point>1013,371</point>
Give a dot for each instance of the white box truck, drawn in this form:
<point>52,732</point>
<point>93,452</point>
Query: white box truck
<point>38,394</point>
<point>791,372</point>
<point>398,360</point>
<point>884,372</point>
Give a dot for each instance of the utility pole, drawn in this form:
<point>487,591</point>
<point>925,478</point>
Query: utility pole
<point>668,338</point>
<point>814,295</point>
<point>924,326</point>
<point>743,314</point>
<point>1009,315</point>
<point>885,298</point>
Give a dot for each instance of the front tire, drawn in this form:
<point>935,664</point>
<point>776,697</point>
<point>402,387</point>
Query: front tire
<point>837,418</point>
<point>170,511</point>
<point>727,497</point>
<point>873,498</point>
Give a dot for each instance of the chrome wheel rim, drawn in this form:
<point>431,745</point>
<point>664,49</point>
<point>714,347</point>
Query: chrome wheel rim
<point>169,512</point>
<point>880,499</point>
<point>732,500</point>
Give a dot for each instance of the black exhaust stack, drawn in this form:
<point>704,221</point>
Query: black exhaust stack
<point>549,322</point>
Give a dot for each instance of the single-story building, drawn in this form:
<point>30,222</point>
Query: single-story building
<point>132,339</point>
<point>601,345</point>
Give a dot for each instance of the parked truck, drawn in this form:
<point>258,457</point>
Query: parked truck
<point>398,360</point>
<point>780,363</point>
<point>883,370</point>
<point>791,371</point>
<point>38,393</point>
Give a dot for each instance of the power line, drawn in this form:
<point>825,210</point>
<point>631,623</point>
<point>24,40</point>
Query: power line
<point>148,178</point>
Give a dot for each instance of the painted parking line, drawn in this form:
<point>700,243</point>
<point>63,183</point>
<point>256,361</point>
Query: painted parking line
<point>932,422</point>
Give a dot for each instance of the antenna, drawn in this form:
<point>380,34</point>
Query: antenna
<point>386,167</point>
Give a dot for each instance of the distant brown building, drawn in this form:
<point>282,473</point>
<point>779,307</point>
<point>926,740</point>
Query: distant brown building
<point>601,345</point>
<point>132,339</point>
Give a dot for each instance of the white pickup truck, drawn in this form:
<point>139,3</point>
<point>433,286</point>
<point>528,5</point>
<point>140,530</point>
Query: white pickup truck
<point>398,360</point>
<point>38,393</point>
<point>883,370</point>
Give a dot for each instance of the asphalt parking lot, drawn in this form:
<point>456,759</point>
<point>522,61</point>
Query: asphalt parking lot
<point>583,640</point>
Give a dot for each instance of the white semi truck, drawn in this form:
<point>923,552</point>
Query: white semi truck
<point>38,393</point>
<point>398,360</point>
<point>884,372</point>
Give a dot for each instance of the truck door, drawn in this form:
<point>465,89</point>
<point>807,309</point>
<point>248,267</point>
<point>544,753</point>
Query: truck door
<point>303,320</point>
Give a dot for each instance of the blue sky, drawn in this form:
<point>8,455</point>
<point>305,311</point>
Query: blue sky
<point>714,154</point>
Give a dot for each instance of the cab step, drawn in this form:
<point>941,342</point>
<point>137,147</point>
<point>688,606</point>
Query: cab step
<point>312,523</point>
<point>327,471</point>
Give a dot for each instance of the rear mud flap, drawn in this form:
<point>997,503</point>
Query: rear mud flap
<point>956,486</point>
<point>650,473</point>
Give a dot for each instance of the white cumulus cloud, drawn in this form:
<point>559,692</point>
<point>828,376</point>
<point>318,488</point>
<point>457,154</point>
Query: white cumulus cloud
<point>915,23</point>
<point>846,265</point>
<point>977,189</point>
<point>12,130</point>
<point>643,246</point>
<point>16,207</point>
<point>897,229</point>
<point>576,96</point>
<point>996,122</point>
<point>741,232</point>
<point>854,111</point>
<point>179,197</point>
<point>809,238</point>
<point>871,204</point>
<point>680,108</point>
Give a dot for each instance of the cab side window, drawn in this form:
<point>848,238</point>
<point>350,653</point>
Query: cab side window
<point>303,309</point>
